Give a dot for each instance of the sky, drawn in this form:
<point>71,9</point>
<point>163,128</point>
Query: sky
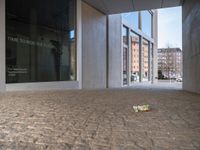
<point>170,27</point>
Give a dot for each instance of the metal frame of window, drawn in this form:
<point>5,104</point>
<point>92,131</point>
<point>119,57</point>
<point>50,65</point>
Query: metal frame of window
<point>142,36</point>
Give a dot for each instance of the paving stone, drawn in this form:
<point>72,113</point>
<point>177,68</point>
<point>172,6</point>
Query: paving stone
<point>100,120</point>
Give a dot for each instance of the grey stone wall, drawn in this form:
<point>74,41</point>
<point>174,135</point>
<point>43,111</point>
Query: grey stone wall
<point>93,48</point>
<point>191,45</point>
<point>2,45</point>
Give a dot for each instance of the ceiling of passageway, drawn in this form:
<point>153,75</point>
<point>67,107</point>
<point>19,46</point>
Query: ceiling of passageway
<point>119,6</point>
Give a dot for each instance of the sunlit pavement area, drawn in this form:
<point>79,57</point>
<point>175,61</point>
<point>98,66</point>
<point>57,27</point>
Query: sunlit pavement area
<point>101,119</point>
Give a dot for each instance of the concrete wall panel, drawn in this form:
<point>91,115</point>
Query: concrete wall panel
<point>155,57</point>
<point>79,42</point>
<point>191,46</point>
<point>2,45</point>
<point>93,48</point>
<point>114,51</point>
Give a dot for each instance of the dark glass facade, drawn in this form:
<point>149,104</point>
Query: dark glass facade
<point>40,41</point>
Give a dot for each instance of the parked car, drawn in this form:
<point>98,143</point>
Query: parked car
<point>179,79</point>
<point>134,77</point>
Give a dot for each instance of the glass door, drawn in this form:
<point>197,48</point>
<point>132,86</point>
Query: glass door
<point>125,55</point>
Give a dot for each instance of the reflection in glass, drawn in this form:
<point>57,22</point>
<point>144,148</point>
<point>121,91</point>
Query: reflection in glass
<point>40,41</point>
<point>132,18</point>
<point>145,61</point>
<point>125,35</point>
<point>125,66</point>
<point>135,41</point>
<point>151,66</point>
<point>146,22</point>
<point>125,55</point>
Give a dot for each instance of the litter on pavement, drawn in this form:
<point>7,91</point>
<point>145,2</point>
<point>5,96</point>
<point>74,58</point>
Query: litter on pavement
<point>142,108</point>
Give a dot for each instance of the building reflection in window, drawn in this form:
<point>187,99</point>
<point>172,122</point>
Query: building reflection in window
<point>145,60</point>
<point>40,41</point>
<point>125,55</point>
<point>151,64</point>
<point>135,48</point>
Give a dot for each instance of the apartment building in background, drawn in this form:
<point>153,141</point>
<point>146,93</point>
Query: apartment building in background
<point>170,62</point>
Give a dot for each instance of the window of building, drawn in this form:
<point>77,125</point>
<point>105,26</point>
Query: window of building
<point>132,19</point>
<point>40,41</point>
<point>145,61</point>
<point>146,18</point>
<point>125,35</point>
<point>125,55</point>
<point>135,42</point>
<point>152,62</point>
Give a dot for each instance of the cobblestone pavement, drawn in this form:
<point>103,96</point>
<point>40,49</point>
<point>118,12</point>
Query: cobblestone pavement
<point>100,120</point>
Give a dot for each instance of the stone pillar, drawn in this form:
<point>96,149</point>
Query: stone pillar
<point>94,44</point>
<point>155,47</point>
<point>2,46</point>
<point>191,45</point>
<point>114,51</point>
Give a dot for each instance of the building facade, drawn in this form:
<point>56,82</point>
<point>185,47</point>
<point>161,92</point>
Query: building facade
<point>70,45</point>
<point>170,62</point>
<point>78,44</point>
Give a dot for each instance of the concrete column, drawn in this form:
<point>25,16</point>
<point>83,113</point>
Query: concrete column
<point>115,51</point>
<point>191,45</point>
<point>94,44</point>
<point>155,47</point>
<point>2,46</point>
<point>79,42</point>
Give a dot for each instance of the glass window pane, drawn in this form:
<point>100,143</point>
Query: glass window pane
<point>145,60</point>
<point>147,23</point>
<point>125,66</point>
<point>135,41</point>
<point>152,60</point>
<point>125,55</point>
<point>40,41</point>
<point>132,19</point>
<point>125,35</point>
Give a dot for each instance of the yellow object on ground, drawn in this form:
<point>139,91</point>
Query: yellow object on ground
<point>141,108</point>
